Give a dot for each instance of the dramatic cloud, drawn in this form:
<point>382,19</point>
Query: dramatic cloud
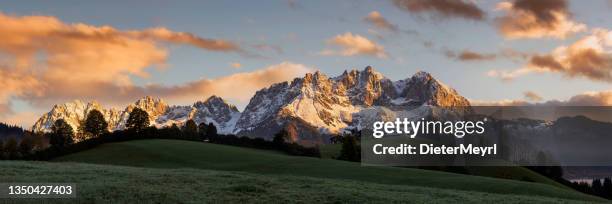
<point>44,61</point>
<point>467,55</point>
<point>185,38</point>
<point>532,96</point>
<point>354,45</point>
<point>603,98</point>
<point>380,22</point>
<point>537,19</point>
<point>443,8</point>
<point>589,57</point>
<point>238,88</point>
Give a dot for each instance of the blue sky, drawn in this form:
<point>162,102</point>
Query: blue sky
<point>302,29</point>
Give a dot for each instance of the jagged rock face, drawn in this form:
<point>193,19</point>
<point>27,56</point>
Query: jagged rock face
<point>311,107</point>
<point>332,104</point>
<point>214,110</point>
<point>311,99</point>
<point>74,113</point>
<point>423,88</point>
<point>365,87</point>
<point>153,106</point>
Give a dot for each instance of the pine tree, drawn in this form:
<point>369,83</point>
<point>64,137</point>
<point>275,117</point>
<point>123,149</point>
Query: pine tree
<point>190,130</point>
<point>211,131</point>
<point>138,120</point>
<point>607,187</point>
<point>202,130</point>
<point>10,147</point>
<point>175,131</point>
<point>350,150</point>
<point>596,185</point>
<point>2,150</point>
<point>61,135</point>
<point>26,145</point>
<point>95,123</point>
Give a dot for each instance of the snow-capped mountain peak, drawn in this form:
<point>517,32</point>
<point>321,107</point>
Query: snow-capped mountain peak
<point>214,110</point>
<point>313,106</point>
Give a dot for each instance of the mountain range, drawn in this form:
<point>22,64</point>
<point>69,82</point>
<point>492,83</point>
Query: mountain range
<point>311,108</point>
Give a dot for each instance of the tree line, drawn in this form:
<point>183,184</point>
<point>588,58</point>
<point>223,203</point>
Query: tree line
<point>93,131</point>
<point>598,187</point>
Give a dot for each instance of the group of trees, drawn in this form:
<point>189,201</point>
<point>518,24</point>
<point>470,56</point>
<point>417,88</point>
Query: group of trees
<point>61,139</point>
<point>598,187</point>
<point>16,142</point>
<point>94,130</point>
<point>282,141</point>
<point>351,148</point>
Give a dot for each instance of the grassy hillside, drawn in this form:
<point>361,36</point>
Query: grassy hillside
<point>172,154</point>
<point>121,184</point>
<point>330,151</point>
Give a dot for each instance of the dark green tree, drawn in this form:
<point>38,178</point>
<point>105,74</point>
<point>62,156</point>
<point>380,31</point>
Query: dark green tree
<point>190,130</point>
<point>175,131</point>
<point>597,187</point>
<point>95,124</point>
<point>350,149</point>
<point>607,187</point>
<point>202,130</point>
<point>10,147</point>
<point>211,131</point>
<point>2,150</point>
<point>61,135</point>
<point>138,120</point>
<point>26,145</point>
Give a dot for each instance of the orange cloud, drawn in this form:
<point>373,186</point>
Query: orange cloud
<point>443,8</point>
<point>355,45</point>
<point>44,61</point>
<point>532,96</point>
<point>590,57</point>
<point>235,65</point>
<point>186,38</point>
<point>237,88</point>
<point>467,55</point>
<point>376,19</point>
<point>536,19</point>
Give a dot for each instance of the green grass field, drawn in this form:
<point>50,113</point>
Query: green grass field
<point>122,184</point>
<point>345,181</point>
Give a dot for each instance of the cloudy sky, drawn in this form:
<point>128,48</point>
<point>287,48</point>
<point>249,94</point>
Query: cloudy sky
<point>510,52</point>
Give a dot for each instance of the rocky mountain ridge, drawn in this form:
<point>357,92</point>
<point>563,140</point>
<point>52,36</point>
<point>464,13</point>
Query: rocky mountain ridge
<point>313,106</point>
